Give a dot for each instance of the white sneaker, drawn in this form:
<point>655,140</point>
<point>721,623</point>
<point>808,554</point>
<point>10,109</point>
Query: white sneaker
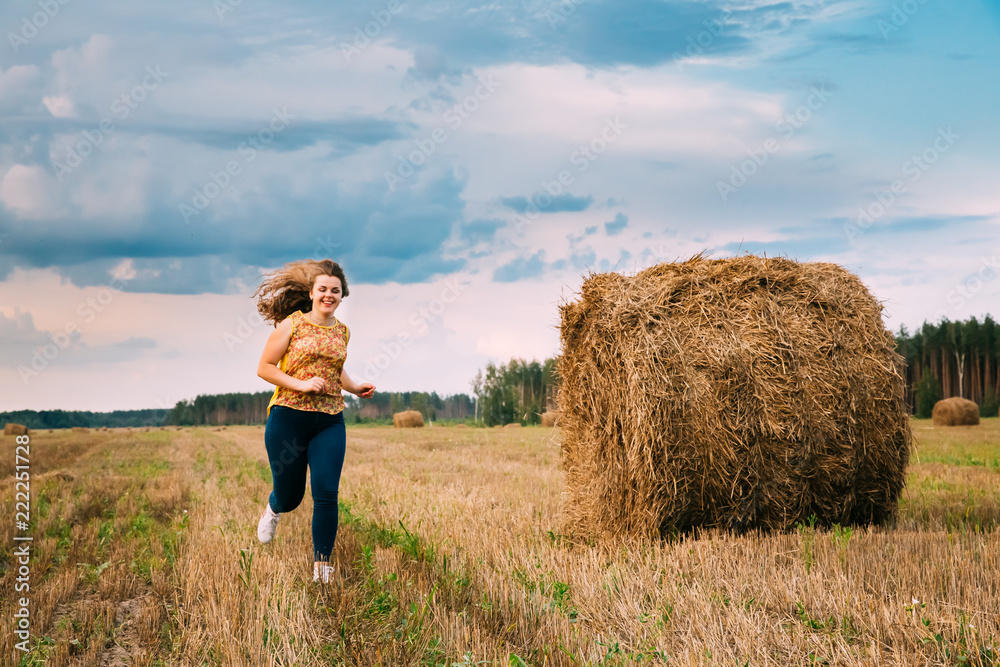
<point>322,572</point>
<point>267,525</point>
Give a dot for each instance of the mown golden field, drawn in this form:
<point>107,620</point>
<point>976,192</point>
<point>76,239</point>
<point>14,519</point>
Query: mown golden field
<point>451,552</point>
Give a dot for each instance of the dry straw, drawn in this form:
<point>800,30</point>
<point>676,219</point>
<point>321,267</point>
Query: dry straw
<point>550,418</point>
<point>955,411</point>
<point>15,429</point>
<point>748,393</point>
<point>408,419</point>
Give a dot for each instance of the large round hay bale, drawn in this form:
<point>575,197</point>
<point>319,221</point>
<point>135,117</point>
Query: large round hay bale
<point>408,419</point>
<point>955,411</point>
<point>550,418</point>
<point>748,393</point>
<point>11,428</point>
<point>80,429</point>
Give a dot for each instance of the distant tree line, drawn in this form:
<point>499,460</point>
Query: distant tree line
<point>383,405</point>
<point>952,359</point>
<point>46,419</point>
<point>221,409</point>
<point>518,391</point>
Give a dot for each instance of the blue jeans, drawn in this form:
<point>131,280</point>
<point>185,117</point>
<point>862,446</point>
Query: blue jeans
<point>294,440</point>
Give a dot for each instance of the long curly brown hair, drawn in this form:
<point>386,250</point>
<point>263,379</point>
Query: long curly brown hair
<point>287,289</point>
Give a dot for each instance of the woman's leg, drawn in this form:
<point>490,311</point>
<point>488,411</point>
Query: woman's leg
<point>285,440</point>
<point>326,460</point>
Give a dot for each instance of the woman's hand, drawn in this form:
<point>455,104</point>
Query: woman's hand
<point>365,390</point>
<point>314,385</point>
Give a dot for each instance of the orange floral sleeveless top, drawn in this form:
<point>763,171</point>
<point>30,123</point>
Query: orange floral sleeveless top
<point>313,351</point>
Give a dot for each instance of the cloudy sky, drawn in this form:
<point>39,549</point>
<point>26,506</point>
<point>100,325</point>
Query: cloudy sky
<point>468,163</point>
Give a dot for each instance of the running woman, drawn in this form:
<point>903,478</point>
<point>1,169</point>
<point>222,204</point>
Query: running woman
<point>304,359</point>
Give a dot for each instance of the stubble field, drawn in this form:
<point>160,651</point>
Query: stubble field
<point>451,552</point>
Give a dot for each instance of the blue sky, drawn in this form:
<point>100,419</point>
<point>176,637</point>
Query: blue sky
<point>468,164</point>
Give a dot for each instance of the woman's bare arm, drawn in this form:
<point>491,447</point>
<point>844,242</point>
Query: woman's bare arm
<point>363,390</point>
<point>274,350</point>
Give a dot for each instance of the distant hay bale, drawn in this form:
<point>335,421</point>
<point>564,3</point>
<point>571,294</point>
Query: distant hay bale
<point>550,418</point>
<point>955,411</point>
<point>746,393</point>
<point>11,428</point>
<point>80,429</point>
<point>408,419</point>
<point>512,425</point>
<point>461,426</point>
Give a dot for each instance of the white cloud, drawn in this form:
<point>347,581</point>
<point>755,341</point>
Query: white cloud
<point>314,82</point>
<point>59,106</point>
<point>74,66</point>
<point>113,183</point>
<point>30,192</point>
<point>18,86</point>
<point>665,112</point>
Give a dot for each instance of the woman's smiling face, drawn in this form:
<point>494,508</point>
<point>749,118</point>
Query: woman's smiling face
<point>326,295</point>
